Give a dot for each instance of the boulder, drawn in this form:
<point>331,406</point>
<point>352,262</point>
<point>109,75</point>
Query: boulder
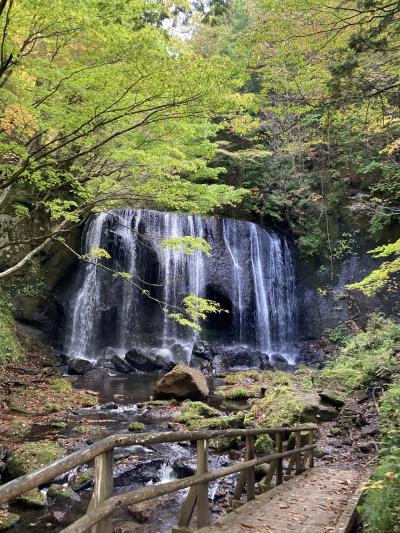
<point>278,361</point>
<point>182,383</point>
<point>203,350</point>
<point>180,353</point>
<point>142,512</point>
<point>34,499</point>
<point>79,367</point>
<point>332,397</point>
<point>182,470</point>
<point>121,365</point>
<point>32,455</point>
<point>62,495</point>
<point>151,362</point>
<point>8,520</point>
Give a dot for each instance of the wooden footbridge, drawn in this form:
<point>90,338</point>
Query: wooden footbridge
<point>293,454</point>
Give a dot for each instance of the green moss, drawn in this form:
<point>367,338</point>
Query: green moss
<point>160,403</point>
<point>18,427</point>
<point>88,400</point>
<point>195,411</point>
<point>82,480</point>
<point>225,443</point>
<point>33,499</point>
<point>237,377</point>
<point>59,424</point>
<point>239,393</point>
<point>52,407</point>
<point>279,407</point>
<point>8,520</point>
<point>264,444</point>
<point>136,426</point>
<point>85,428</point>
<point>32,455</point>
<point>222,422</point>
<point>60,385</point>
<point>11,349</point>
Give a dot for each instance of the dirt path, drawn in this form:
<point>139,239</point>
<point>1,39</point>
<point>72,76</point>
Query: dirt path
<point>310,503</point>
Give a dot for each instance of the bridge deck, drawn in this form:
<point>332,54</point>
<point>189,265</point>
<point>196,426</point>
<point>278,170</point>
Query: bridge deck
<point>310,503</point>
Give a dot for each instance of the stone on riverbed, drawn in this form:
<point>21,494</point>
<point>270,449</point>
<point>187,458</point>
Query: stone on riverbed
<point>79,366</point>
<point>32,455</point>
<point>152,362</point>
<point>182,383</point>
<point>8,520</point>
<point>121,365</point>
<point>34,499</point>
<point>62,495</point>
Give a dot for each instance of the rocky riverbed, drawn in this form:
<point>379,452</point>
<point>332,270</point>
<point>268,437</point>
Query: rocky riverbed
<point>82,409</point>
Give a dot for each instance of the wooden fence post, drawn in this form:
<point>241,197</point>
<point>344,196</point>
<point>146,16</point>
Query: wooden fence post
<point>298,456</point>
<point>279,464</point>
<point>311,441</point>
<point>103,488</point>
<point>250,473</point>
<point>203,515</point>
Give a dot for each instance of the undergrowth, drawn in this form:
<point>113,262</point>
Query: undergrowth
<point>10,348</point>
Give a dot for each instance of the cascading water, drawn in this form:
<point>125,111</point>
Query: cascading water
<point>251,270</point>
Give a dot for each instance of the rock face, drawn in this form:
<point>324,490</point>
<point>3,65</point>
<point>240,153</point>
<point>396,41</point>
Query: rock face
<point>79,366</point>
<point>151,362</point>
<point>182,383</point>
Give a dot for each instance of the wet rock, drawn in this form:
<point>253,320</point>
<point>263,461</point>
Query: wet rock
<point>143,512</point>
<point>8,520</point>
<point>59,517</point>
<point>278,361</point>
<point>138,473</point>
<point>82,480</point>
<point>332,397</point>
<point>32,455</point>
<point>321,452</point>
<point>180,353</point>
<point>79,366</point>
<point>62,495</point>
<point>34,499</point>
<point>201,364</point>
<point>202,350</point>
<point>121,365</point>
<point>146,362</point>
<point>237,356</point>
<point>182,383</point>
<point>108,354</point>
<point>369,431</point>
<point>109,406</point>
<point>182,470</point>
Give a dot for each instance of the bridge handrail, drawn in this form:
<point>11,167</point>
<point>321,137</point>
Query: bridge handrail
<point>103,503</point>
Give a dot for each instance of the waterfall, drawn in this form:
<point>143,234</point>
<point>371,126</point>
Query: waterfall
<point>251,270</point>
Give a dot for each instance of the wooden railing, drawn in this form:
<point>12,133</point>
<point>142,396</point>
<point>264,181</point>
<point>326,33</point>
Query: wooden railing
<point>98,518</point>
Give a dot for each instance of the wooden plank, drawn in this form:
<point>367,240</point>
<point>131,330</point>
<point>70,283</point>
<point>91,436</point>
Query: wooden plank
<point>188,508</point>
<point>103,488</point>
<point>137,496</point>
<point>203,512</point>
<point>250,472</point>
<point>279,464</point>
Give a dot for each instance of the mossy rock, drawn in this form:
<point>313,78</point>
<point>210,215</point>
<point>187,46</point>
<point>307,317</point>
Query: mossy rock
<point>286,406</point>
<point>195,410</point>
<point>159,403</point>
<point>239,393</point>
<point>52,407</point>
<point>264,444</point>
<point>82,480</point>
<point>32,455</point>
<point>221,422</point>
<point>225,443</point>
<point>8,520</point>
<point>62,494</point>
<point>34,499</point>
<point>136,426</point>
